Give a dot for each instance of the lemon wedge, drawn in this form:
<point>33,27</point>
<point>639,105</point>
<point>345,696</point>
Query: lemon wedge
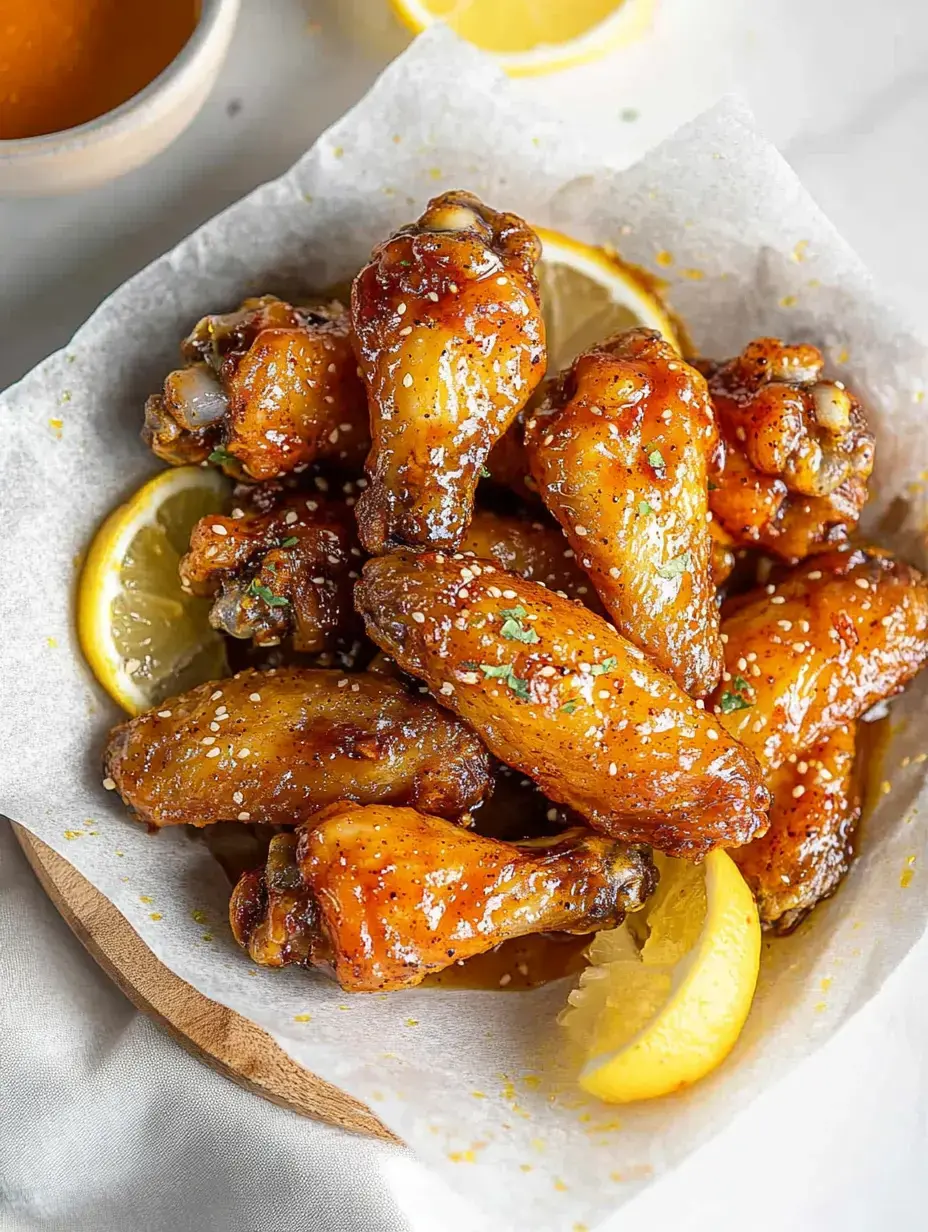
<point>142,636</point>
<point>667,994</point>
<point>588,293</point>
<point>534,36</point>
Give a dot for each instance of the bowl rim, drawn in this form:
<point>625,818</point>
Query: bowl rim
<point>122,118</point>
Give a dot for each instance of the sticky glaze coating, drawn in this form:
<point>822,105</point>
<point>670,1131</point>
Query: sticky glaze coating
<point>385,896</point>
<point>286,572</point>
<point>268,390</point>
<point>808,848</point>
<point>556,692</point>
<point>797,450</point>
<point>620,451</point>
<point>533,549</point>
<point>450,341</point>
<point>290,741</point>
<point>815,650</point>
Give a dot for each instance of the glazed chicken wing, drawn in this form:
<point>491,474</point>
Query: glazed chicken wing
<point>384,896</point>
<point>807,850</point>
<point>557,693</point>
<point>288,571</point>
<point>620,452</point>
<point>450,341</point>
<point>817,649</point>
<point>797,450</point>
<point>268,390</point>
<point>275,746</point>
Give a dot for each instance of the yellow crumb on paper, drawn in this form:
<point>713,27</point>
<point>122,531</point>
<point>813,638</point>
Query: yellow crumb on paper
<point>825,983</point>
<point>799,252</point>
<point>527,1167</point>
<point>338,151</point>
<point>69,834</point>
<point>155,915</point>
<point>664,258</point>
<point>51,643</point>
<point>145,898</point>
<point>788,301</point>
<point>694,275</point>
<point>462,1157</point>
<point>412,1022</point>
<point>302,1017</point>
<point>56,426</point>
<point>435,173</point>
<point>198,916</point>
<point>908,872</point>
<point>479,1094</point>
<point>559,1185</point>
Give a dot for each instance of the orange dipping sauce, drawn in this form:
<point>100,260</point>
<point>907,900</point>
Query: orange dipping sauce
<point>64,62</point>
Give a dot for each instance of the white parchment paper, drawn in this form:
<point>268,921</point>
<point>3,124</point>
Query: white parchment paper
<point>460,1076</point>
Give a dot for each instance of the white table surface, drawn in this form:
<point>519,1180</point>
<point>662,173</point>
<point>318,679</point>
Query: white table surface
<point>105,1124</point>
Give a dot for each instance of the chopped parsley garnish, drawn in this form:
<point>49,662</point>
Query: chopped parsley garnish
<point>735,700</point>
<point>570,706</point>
<point>513,629</point>
<point>484,473</point>
<point>644,508</point>
<point>504,672</point>
<point>655,457</point>
<point>713,487</point>
<point>600,669</point>
<point>221,456</point>
<point>674,567</point>
<point>263,592</point>
<point>291,542</point>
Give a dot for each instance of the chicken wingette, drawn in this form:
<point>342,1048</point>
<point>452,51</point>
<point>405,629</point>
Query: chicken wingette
<point>556,692</point>
<point>273,747</point>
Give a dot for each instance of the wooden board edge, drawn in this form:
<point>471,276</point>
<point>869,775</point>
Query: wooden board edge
<point>220,1038</point>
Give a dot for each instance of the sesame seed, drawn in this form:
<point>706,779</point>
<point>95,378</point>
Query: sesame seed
<point>505,979</point>
<point>109,784</point>
<point>132,666</point>
<point>785,624</point>
<point>742,664</point>
<point>244,816</point>
<point>463,593</point>
<point>237,797</point>
<point>613,769</point>
<point>758,725</point>
<point>551,814</point>
<point>407,380</point>
<point>751,656</point>
<point>208,740</point>
<point>501,282</point>
<point>509,594</point>
<point>343,684</point>
<point>433,296</point>
<point>862,583</point>
<point>548,671</point>
<point>213,753</point>
<point>777,599</point>
<point>700,704</point>
<point>469,678</point>
<point>219,529</point>
<point>799,647</point>
<point>604,693</point>
<point>755,670</point>
<point>886,621</point>
<point>580,530</point>
<point>453,288</point>
<point>164,714</point>
<point>356,688</point>
<point>802,767</point>
<point>613,572</point>
<point>712,734</point>
<point>798,792</point>
<point>548,439</point>
<point>815,575</point>
<point>254,697</point>
<point>419,618</point>
<point>405,331</point>
<point>494,592</point>
<point>214,697</point>
<point>243,752</point>
<point>401,310</point>
<point>447,688</point>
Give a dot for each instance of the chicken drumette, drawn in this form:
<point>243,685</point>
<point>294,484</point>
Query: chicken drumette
<point>796,454</point>
<point>384,896</point>
<point>450,341</point>
<point>268,390</point>
<point>273,747</point>
<point>620,451</point>
<point>558,694</point>
<point>286,572</point>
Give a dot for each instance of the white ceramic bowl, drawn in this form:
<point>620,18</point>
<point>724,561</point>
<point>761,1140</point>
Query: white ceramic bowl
<point>132,133</point>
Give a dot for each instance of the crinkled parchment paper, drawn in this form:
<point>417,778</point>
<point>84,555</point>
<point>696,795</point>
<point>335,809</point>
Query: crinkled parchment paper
<point>460,1076</point>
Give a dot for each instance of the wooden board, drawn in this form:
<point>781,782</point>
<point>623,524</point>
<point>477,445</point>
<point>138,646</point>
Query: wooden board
<point>215,1035</point>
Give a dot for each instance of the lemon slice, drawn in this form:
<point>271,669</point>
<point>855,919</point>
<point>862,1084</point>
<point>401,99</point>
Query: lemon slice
<point>142,636</point>
<point>535,36</point>
<point>588,293</point>
<point>667,994</point>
